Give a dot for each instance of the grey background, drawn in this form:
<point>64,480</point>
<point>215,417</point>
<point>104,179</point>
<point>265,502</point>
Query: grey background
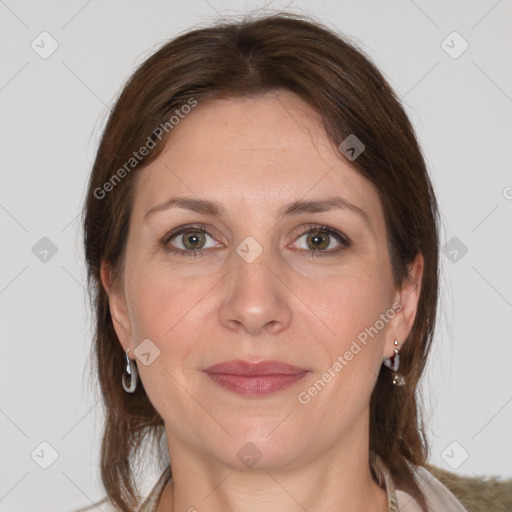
<point>52,111</point>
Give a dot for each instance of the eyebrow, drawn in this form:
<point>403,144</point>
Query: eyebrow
<point>207,207</point>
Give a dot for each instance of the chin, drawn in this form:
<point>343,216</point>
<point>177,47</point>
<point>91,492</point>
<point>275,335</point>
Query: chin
<point>257,450</point>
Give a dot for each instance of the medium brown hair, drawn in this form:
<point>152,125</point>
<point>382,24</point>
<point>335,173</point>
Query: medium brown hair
<point>244,58</point>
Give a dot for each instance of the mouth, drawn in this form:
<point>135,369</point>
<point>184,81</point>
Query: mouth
<point>255,379</point>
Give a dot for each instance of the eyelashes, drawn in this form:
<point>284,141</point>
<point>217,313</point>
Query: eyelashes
<point>198,232</point>
<point>196,229</point>
<point>322,233</point>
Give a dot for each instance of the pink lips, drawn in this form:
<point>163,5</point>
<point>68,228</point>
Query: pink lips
<point>255,379</point>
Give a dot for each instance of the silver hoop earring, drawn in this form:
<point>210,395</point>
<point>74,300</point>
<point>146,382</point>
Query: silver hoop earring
<point>393,364</point>
<point>130,375</point>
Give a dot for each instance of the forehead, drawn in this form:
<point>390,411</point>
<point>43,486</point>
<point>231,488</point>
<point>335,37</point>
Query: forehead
<point>250,154</point>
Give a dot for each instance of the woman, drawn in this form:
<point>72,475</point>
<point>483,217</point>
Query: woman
<point>262,244</point>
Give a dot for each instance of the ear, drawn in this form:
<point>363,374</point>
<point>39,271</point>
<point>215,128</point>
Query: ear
<point>118,307</point>
<point>406,301</point>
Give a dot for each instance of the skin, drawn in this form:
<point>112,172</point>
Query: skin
<point>255,156</point>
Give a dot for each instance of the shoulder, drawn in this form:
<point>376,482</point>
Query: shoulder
<point>446,491</point>
<point>476,494</point>
<point>437,495</point>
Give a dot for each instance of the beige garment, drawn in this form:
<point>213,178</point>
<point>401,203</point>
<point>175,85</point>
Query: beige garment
<point>439,498</point>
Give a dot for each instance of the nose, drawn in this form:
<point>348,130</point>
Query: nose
<point>256,297</point>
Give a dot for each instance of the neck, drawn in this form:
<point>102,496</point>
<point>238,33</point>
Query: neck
<point>338,479</point>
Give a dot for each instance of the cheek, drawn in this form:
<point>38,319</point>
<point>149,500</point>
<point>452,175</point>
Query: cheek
<point>351,347</point>
<point>350,307</point>
<point>350,302</point>
<point>168,312</point>
<point>160,301</point>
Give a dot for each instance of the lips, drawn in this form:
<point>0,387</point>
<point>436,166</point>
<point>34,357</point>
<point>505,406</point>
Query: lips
<point>255,379</point>
<point>263,368</point>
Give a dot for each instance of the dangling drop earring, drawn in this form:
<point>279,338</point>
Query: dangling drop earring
<point>393,363</point>
<point>130,375</point>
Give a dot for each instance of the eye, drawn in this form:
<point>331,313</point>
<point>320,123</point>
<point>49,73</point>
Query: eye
<point>318,238</point>
<point>189,241</point>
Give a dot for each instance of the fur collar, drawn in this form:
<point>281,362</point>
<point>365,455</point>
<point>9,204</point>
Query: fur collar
<point>478,493</point>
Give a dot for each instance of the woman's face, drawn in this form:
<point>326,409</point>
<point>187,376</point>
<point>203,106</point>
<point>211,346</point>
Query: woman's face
<point>255,289</point>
